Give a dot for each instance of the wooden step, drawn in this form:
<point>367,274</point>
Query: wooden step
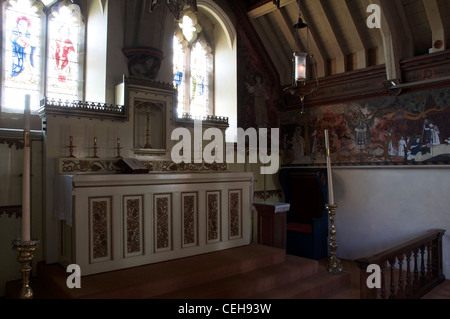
<point>319,285</point>
<point>252,272</point>
<point>253,282</point>
<point>162,278</point>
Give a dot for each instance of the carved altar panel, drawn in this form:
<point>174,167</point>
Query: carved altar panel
<point>213,217</point>
<point>132,225</point>
<point>189,217</point>
<point>235,214</point>
<point>100,229</point>
<point>127,220</point>
<point>163,222</point>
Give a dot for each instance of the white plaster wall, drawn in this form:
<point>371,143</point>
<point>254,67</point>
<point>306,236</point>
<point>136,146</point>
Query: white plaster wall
<point>381,207</point>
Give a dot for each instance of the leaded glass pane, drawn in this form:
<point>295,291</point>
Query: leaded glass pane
<point>64,37</point>
<point>199,81</point>
<point>22,54</point>
<point>179,71</point>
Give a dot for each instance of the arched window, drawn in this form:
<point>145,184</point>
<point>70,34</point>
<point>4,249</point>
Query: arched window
<point>29,43</point>
<point>193,68</point>
<point>65,40</point>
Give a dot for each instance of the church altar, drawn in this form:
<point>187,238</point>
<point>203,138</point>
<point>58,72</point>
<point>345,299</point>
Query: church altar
<point>119,221</point>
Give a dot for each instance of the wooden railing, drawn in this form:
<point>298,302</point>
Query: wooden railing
<point>408,271</point>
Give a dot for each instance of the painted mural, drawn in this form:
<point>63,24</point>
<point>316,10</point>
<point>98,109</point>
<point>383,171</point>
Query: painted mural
<point>409,129</point>
<point>258,85</point>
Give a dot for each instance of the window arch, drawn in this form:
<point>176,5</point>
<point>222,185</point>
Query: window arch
<point>31,40</point>
<point>193,68</point>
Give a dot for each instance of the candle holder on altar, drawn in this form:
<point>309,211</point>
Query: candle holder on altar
<point>25,249</point>
<point>118,148</point>
<point>334,265</point>
<point>95,147</point>
<point>71,147</point>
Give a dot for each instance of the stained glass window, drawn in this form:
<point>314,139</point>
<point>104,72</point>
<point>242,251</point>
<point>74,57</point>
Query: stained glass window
<point>192,69</point>
<point>199,81</point>
<point>22,67</point>
<point>25,35</point>
<point>179,68</point>
<point>65,35</point>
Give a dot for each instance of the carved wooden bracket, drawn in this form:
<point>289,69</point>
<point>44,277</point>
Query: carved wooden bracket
<point>12,141</point>
<point>10,210</point>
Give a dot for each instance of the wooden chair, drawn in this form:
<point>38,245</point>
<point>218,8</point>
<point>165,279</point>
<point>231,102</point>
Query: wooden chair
<point>307,219</point>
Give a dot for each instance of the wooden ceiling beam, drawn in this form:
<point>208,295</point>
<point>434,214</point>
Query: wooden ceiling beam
<point>279,61</point>
<point>286,27</point>
<point>361,50</point>
<point>341,57</point>
<point>266,7</point>
<point>316,46</point>
<point>391,32</point>
<point>274,39</point>
<point>436,24</point>
<point>407,37</point>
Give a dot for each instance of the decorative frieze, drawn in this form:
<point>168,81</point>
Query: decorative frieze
<point>275,195</point>
<point>73,166</point>
<point>11,210</point>
<point>18,143</point>
<point>50,106</point>
<point>76,166</point>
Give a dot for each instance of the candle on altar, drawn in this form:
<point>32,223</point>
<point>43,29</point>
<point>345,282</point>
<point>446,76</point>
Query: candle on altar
<point>26,175</point>
<point>330,179</point>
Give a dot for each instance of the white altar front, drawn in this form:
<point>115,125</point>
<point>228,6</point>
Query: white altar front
<point>126,220</point>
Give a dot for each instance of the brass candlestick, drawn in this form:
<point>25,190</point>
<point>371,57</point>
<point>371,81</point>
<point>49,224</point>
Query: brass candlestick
<point>71,147</point>
<point>118,148</point>
<point>25,249</point>
<point>95,148</point>
<point>334,265</point>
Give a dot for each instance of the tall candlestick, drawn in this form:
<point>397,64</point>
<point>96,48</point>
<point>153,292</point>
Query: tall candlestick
<point>26,176</point>
<point>330,179</point>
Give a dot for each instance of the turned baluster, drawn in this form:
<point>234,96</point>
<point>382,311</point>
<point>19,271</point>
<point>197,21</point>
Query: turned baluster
<point>400,277</point>
<point>408,286</point>
<point>416,269</point>
<point>383,285</point>
<point>422,264</point>
<point>392,284</point>
<point>429,262</point>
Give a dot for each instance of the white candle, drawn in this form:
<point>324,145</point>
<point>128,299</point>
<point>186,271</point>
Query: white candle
<point>330,179</point>
<point>26,176</point>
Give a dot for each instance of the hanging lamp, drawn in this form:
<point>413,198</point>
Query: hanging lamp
<point>303,67</point>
